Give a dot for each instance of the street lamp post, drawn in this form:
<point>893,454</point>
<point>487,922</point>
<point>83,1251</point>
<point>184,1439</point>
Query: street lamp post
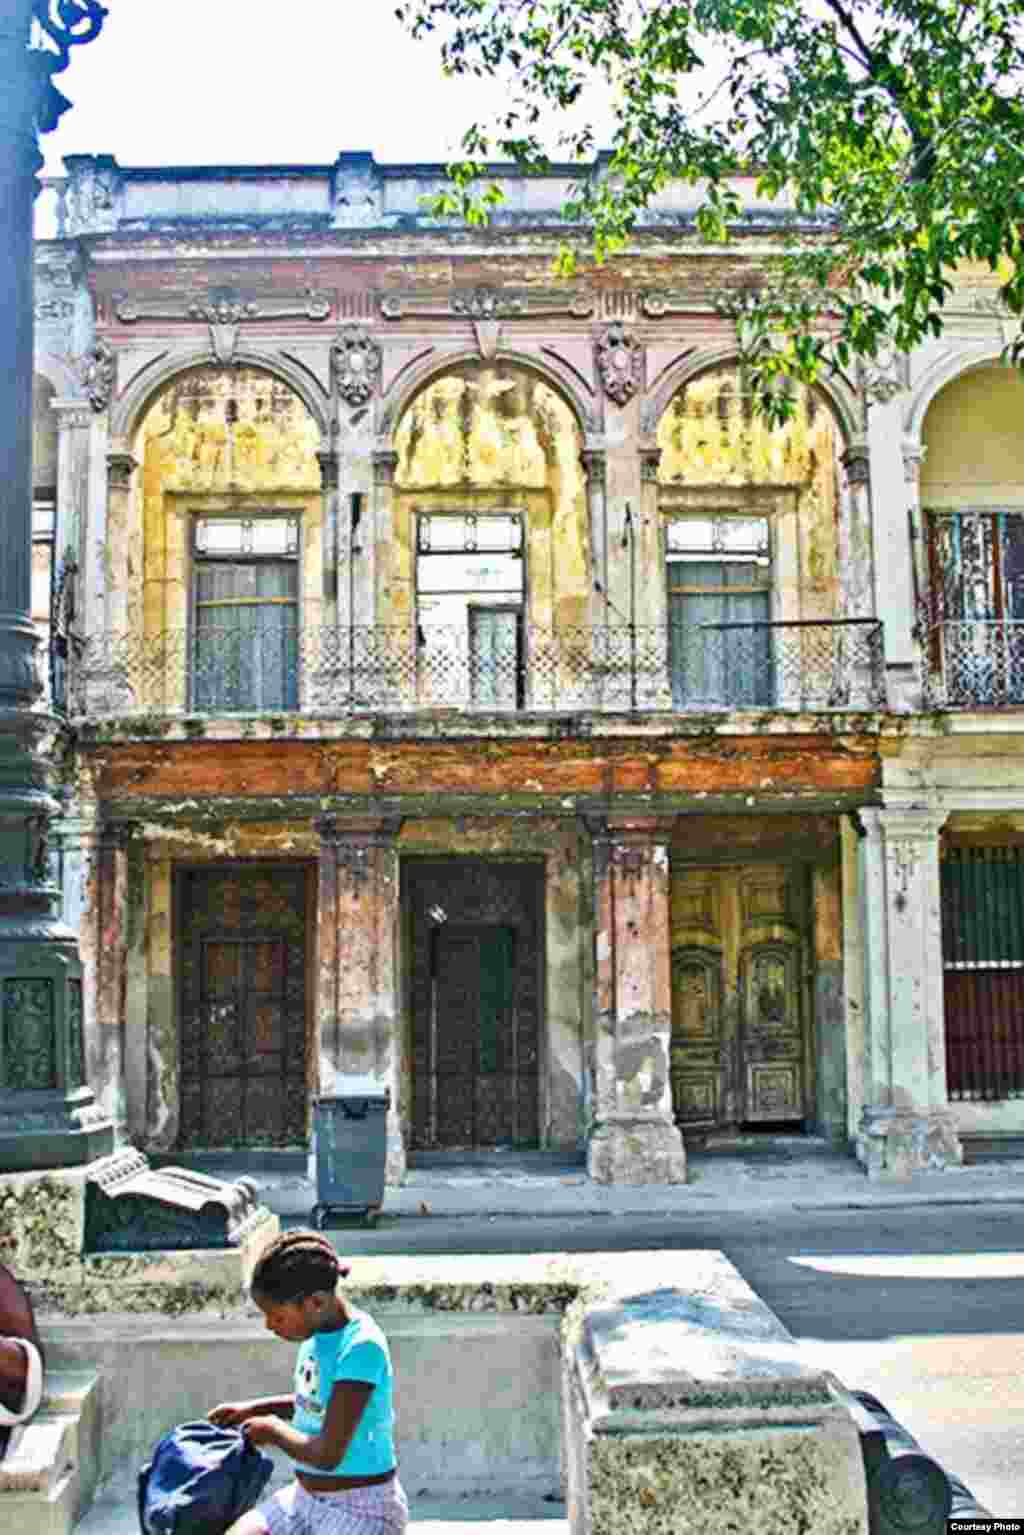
<point>48,1114</point>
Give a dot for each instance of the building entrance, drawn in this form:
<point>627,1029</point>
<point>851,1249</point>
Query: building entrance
<point>243,990</point>
<point>476,1003</point>
<point>739,1006</point>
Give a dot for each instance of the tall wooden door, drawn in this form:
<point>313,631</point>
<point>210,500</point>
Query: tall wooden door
<point>739,1053</point>
<point>475,1003</point>
<point>243,1007</point>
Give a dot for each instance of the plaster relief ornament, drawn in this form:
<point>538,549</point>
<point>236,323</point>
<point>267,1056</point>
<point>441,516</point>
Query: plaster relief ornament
<point>98,371</point>
<point>884,377</point>
<point>356,360</point>
<point>620,360</point>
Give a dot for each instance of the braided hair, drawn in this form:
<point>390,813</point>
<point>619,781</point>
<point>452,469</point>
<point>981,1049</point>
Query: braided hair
<point>296,1264</point>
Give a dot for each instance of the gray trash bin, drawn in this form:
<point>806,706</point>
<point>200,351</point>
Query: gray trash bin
<point>350,1136</point>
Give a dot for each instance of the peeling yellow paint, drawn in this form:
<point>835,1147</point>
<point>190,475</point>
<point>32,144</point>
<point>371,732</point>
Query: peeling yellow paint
<point>216,441</point>
<point>711,436</point>
<point>489,435</point>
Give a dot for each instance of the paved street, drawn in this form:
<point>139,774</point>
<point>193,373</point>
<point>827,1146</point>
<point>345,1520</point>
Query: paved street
<point>923,1306</point>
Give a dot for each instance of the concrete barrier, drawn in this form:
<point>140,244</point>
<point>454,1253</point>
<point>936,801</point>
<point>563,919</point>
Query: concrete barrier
<point>642,1384</point>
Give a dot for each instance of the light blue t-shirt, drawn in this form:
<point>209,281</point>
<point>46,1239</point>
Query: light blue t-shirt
<point>358,1351</point>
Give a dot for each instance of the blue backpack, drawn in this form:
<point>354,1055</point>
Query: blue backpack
<point>201,1478</point>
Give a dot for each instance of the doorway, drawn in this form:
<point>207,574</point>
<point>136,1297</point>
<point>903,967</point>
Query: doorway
<point>242,961</point>
<point>475,1003</point>
<point>740,958</point>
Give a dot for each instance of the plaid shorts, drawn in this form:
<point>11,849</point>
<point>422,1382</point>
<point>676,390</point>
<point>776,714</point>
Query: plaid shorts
<point>380,1509</point>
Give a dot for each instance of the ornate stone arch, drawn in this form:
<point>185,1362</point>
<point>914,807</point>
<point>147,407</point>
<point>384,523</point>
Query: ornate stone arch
<point>942,371</point>
<point>692,363</point>
<point>565,381</point>
<point>127,412</point>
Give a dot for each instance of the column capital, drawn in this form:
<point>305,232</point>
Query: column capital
<point>856,460</point>
<point>385,464</point>
<point>649,454</point>
<point>330,464</point>
<point>914,454</point>
<point>595,464</point>
<point>72,414</point>
<point>120,468</point>
<point>358,831</point>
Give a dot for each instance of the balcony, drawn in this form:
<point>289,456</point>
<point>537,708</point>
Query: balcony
<point>974,664</point>
<point>517,669</point>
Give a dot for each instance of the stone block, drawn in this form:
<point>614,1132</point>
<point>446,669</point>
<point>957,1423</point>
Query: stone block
<point>43,1239</point>
<point>687,1408</point>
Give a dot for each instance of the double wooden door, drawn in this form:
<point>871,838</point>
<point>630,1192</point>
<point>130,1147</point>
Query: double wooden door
<point>739,1052</point>
<point>243,977</point>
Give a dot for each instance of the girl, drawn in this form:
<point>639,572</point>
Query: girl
<point>341,1429</point>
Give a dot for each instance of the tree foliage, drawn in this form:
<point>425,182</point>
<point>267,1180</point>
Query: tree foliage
<point>890,131</point>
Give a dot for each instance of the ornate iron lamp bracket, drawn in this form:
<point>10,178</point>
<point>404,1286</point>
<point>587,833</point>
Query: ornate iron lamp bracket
<point>67,23</point>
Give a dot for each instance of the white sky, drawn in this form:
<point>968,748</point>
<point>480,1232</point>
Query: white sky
<point>199,82</point>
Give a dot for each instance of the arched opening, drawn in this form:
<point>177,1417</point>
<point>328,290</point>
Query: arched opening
<point>972,497</point>
<point>223,552</point>
<point>488,564</point>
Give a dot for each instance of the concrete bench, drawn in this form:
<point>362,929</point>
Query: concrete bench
<point>655,1389</point>
<point>48,1476</point>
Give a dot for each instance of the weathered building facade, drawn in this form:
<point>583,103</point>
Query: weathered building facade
<point>468,694</point>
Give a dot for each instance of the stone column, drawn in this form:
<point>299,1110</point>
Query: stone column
<point>359,969</point>
<point>906,1126</point>
<point>927,690</point>
<point>74,426</point>
<point>48,1115</point>
<point>633,1138</point>
<point>595,467</point>
<point>107,1069</point>
<point>859,676</point>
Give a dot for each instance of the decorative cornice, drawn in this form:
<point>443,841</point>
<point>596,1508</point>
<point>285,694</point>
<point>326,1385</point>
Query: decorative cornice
<point>620,362</point>
<point>356,365</point>
<point>226,306</point>
<point>486,303</point>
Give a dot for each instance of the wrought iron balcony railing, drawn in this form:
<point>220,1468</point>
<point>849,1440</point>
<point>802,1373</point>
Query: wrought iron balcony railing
<point>332,671</point>
<point>974,664</point>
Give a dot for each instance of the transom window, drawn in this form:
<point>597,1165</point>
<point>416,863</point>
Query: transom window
<point>245,630</point>
<point>719,602</point>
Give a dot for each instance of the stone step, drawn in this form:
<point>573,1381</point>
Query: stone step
<point>49,1474</point>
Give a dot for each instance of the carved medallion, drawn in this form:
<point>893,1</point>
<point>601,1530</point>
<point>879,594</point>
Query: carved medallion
<point>620,361</point>
<point>356,360</point>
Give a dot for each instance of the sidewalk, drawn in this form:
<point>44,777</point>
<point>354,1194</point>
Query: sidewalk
<point>745,1174</point>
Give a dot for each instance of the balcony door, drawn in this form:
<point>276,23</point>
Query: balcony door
<point>469,610</point>
<point>245,615</point>
<point>977,584</point>
<point>719,600</point>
